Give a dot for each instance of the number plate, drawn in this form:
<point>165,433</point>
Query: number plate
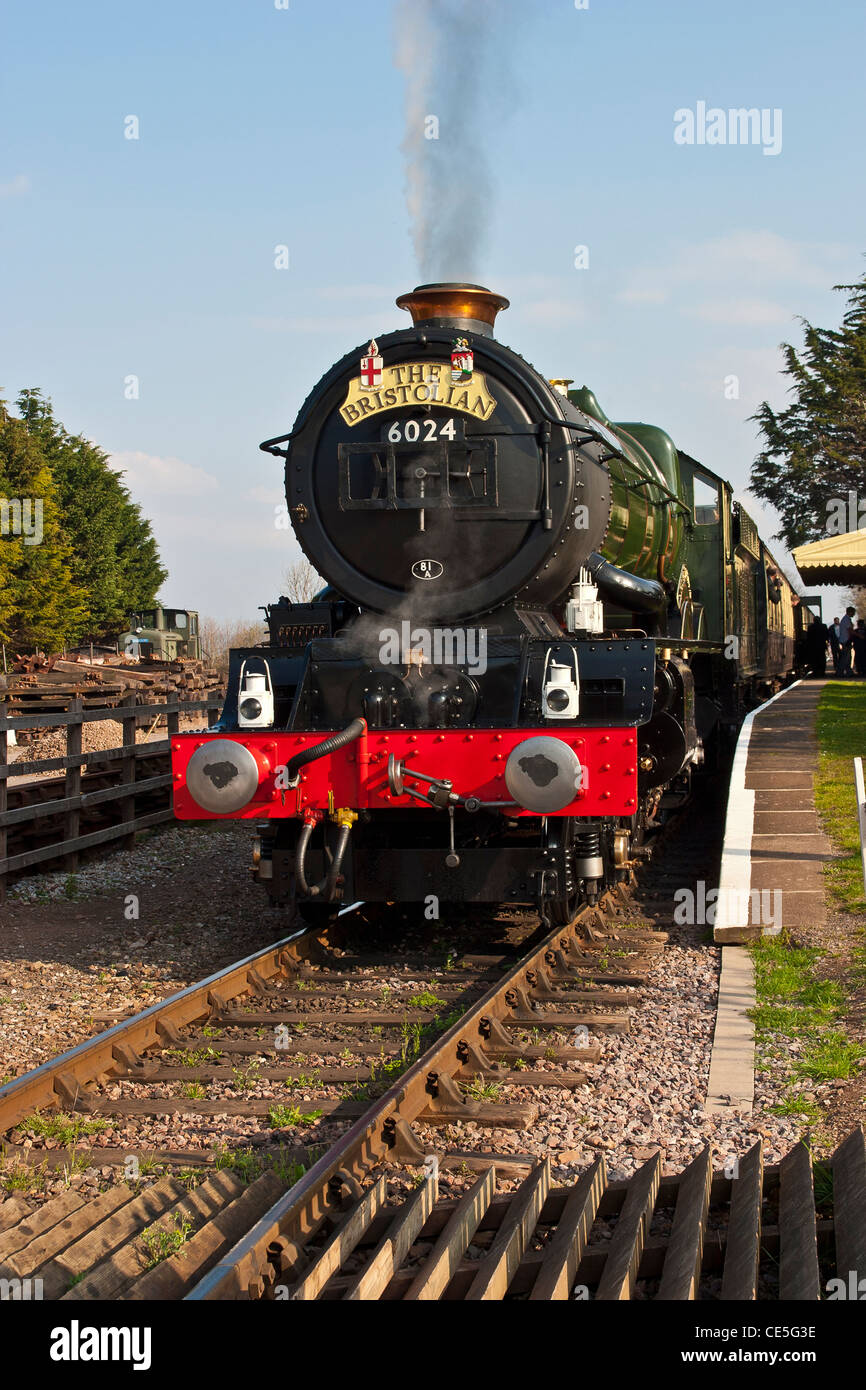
<point>428,430</point>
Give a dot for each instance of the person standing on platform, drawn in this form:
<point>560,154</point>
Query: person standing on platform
<point>833,639</point>
<point>816,647</point>
<point>846,642</point>
<point>860,648</point>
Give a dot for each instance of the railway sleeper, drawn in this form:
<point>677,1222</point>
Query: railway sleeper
<point>498,1040</point>
<point>475,1063</point>
<point>561,971</point>
<point>522,1013</point>
<point>447,1103</point>
<point>542,989</point>
<point>355,1018</point>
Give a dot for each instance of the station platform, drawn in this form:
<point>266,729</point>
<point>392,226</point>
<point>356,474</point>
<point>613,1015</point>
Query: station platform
<point>771,875</point>
<point>774,851</point>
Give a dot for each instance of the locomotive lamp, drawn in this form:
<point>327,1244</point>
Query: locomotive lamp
<point>561,690</point>
<point>584,612</point>
<point>255,698</point>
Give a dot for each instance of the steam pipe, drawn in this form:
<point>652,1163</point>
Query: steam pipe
<point>628,591</point>
<point>321,750</point>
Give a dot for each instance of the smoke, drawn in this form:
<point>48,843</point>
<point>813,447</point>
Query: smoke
<point>456,57</point>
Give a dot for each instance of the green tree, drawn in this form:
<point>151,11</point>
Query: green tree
<point>6,551</point>
<point>115,556</point>
<point>42,603</point>
<point>815,449</point>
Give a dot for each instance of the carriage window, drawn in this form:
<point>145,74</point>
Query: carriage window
<point>706,497</point>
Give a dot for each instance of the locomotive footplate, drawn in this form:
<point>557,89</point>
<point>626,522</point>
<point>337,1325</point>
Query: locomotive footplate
<point>564,771</point>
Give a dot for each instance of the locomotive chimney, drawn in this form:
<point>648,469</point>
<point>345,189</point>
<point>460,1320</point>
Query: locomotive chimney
<point>465,308</point>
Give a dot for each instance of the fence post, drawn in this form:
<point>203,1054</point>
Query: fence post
<point>72,781</point>
<point>128,764</point>
<point>4,795</point>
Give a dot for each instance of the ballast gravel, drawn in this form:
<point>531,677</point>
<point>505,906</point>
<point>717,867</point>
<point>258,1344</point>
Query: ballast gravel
<point>70,951</point>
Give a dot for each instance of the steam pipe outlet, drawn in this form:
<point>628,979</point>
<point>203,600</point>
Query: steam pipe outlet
<point>630,592</point>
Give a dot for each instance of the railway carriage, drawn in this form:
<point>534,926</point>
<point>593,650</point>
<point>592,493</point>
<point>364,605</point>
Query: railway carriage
<point>537,625</point>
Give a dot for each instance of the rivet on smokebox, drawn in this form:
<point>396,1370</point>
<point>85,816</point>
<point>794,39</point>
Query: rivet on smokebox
<point>176,747</point>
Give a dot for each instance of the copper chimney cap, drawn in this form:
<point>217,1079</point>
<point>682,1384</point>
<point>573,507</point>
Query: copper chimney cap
<point>467,308</point>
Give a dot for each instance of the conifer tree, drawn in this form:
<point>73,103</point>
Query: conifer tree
<point>815,449</point>
<point>43,603</point>
<point>115,556</point>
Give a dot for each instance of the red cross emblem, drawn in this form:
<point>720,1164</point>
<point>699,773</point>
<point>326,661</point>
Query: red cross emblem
<point>371,367</point>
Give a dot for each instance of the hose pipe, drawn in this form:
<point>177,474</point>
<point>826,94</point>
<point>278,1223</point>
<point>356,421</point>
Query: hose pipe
<point>321,750</point>
<point>326,888</point>
<point>630,592</point>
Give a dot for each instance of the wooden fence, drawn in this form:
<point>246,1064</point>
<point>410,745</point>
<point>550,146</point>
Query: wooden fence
<point>68,808</point>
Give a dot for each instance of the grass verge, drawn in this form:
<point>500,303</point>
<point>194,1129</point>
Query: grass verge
<point>800,1015</point>
<point>841,738</point>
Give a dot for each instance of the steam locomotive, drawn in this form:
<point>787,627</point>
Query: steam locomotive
<point>537,625</point>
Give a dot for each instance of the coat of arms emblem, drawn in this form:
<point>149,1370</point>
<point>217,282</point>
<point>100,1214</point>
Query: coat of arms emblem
<point>371,366</point>
<point>462,361</point>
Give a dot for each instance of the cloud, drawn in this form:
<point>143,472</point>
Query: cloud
<point>354,328</point>
<point>642,295</point>
<point>249,536</point>
<point>737,263</point>
<point>553,310</point>
<point>738,311</point>
<point>152,475</point>
<point>341,292</point>
<point>15,187</point>
<point>271,496</point>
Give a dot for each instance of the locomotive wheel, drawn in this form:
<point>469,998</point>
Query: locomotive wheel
<point>562,909</point>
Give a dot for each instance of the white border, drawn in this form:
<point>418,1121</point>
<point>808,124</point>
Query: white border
<point>735,874</point>
<point>860,792</point>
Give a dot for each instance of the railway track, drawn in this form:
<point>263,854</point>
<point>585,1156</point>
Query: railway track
<point>424,1064</point>
<point>550,990</point>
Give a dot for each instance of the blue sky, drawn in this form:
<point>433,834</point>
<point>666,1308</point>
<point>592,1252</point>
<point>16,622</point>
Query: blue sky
<point>262,126</point>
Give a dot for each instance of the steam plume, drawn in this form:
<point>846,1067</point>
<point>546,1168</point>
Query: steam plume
<point>454,55</point>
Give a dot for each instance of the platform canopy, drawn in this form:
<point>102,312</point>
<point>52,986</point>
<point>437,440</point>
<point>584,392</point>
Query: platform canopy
<point>834,560</point>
